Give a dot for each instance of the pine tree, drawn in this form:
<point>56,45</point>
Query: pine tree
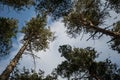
<point>37,37</point>
<point>87,16</point>
<point>80,63</point>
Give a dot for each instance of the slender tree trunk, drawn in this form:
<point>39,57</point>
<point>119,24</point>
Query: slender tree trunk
<point>98,29</point>
<point>6,73</point>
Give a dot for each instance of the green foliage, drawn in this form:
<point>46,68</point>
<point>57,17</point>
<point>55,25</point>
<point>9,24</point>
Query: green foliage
<point>8,29</point>
<point>79,16</point>
<point>27,75</point>
<point>38,34</point>
<point>80,64</point>
<point>18,4</point>
<point>84,12</point>
<point>117,27</point>
<point>54,8</point>
<point>115,44</point>
<point>86,16</point>
<point>90,9</point>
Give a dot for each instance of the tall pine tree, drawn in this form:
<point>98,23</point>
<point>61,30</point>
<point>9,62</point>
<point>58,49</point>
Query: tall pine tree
<point>37,37</point>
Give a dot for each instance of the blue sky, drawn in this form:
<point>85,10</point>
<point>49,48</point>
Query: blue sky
<point>51,58</point>
<point>22,16</point>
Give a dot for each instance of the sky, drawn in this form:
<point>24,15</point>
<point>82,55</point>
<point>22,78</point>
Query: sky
<point>50,58</point>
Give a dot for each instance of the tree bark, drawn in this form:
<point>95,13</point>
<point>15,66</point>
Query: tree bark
<point>6,73</point>
<point>98,29</point>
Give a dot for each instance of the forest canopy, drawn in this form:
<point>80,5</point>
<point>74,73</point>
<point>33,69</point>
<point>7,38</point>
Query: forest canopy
<point>79,17</point>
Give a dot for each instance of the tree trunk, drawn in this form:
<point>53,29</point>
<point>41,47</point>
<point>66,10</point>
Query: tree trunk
<point>98,29</point>
<point>6,73</point>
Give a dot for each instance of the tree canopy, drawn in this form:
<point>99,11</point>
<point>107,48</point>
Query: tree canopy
<point>81,63</point>
<point>54,8</point>
<point>8,29</point>
<point>37,37</point>
<point>38,33</point>
<point>17,4</point>
<point>88,16</point>
<point>79,16</point>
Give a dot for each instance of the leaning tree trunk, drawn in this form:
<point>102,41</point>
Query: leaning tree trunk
<point>107,32</point>
<point>6,73</point>
<point>98,29</point>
